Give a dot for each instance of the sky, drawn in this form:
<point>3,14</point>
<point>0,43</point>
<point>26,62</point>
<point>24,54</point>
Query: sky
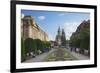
<point>50,21</point>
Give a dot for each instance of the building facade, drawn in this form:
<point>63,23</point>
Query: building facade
<point>30,29</point>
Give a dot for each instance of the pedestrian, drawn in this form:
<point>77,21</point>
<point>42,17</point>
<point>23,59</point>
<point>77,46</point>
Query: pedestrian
<point>71,49</point>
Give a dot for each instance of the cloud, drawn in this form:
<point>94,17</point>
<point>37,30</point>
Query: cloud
<point>69,28</point>
<point>61,14</point>
<point>22,15</point>
<point>41,17</point>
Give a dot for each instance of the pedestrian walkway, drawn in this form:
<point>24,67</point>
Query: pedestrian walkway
<point>78,55</point>
<point>40,58</point>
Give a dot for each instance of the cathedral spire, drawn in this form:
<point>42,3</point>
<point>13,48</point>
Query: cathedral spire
<point>63,32</point>
<point>59,31</point>
<point>63,38</point>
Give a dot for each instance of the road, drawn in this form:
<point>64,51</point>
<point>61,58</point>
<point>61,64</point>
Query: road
<point>40,58</point>
<point>78,55</point>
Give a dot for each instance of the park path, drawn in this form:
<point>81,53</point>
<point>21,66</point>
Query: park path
<point>78,55</point>
<point>40,58</point>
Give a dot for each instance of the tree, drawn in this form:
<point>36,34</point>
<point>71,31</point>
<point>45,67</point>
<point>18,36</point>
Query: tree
<point>34,46</point>
<point>47,44</point>
<point>23,50</point>
<point>75,41</point>
<point>85,39</point>
<point>30,45</point>
<point>81,38</point>
<point>38,44</point>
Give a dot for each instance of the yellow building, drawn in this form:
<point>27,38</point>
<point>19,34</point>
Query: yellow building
<point>29,29</point>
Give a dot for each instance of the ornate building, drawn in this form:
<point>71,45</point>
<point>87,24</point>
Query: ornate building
<point>60,38</point>
<point>30,29</point>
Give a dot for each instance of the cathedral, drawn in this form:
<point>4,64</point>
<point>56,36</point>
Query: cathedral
<point>60,38</point>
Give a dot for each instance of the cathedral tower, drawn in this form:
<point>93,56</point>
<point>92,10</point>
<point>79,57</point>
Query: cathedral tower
<point>60,38</point>
<point>63,38</point>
